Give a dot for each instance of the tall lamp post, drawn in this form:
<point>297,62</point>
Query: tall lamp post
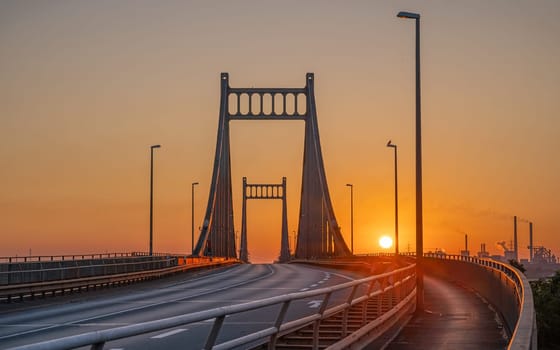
<point>152,197</point>
<point>192,216</point>
<point>419,225</point>
<point>351,217</point>
<point>392,145</point>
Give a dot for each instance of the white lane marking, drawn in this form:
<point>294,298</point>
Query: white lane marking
<point>303,289</point>
<point>314,285</point>
<point>343,276</point>
<point>321,282</point>
<point>314,304</point>
<point>116,349</point>
<point>167,334</point>
<point>205,277</point>
<point>141,307</point>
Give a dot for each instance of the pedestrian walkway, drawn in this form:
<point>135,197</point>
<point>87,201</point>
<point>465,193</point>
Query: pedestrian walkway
<point>456,318</point>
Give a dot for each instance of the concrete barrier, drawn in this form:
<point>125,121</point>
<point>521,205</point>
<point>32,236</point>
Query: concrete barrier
<point>503,286</point>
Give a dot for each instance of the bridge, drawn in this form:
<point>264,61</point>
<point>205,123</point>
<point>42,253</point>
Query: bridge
<point>322,296</point>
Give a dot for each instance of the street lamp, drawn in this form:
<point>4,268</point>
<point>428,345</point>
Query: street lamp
<point>152,197</point>
<point>192,216</point>
<point>351,217</point>
<point>419,225</point>
<point>392,145</point>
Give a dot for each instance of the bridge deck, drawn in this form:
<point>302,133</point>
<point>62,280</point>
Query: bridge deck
<point>457,319</point>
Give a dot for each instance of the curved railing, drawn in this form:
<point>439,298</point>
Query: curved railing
<point>503,285</point>
<point>395,289</point>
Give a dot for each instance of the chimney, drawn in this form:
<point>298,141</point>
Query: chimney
<point>531,241</point>
<point>466,251</point>
<point>516,256</point>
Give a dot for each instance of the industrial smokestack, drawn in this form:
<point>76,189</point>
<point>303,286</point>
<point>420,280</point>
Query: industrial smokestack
<point>466,251</point>
<point>515,238</point>
<point>531,241</point>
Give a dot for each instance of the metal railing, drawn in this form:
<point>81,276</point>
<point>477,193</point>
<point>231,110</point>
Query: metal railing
<point>506,288</point>
<point>35,272</point>
<point>58,280</point>
<point>39,258</point>
<point>397,288</point>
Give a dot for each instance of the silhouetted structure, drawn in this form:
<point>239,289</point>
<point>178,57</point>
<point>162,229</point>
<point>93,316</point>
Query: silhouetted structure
<point>466,252</point>
<point>318,231</point>
<point>265,191</point>
<point>515,251</point>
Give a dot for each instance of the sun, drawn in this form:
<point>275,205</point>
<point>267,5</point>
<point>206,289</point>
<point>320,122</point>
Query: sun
<point>385,242</point>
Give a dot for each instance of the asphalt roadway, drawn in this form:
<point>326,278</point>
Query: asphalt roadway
<point>455,318</point>
<point>55,317</point>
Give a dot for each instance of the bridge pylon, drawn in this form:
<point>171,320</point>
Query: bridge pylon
<point>319,234</point>
<point>265,191</point>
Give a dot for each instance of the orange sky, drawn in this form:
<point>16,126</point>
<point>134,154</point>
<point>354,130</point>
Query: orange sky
<point>88,86</point>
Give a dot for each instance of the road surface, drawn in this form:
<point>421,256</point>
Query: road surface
<point>456,318</point>
<point>50,318</point>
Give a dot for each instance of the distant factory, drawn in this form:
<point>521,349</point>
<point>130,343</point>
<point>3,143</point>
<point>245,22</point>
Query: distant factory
<point>541,263</point>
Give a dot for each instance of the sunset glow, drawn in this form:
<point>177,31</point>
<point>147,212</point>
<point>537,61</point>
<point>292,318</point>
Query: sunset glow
<point>385,242</point>
<point>88,86</point>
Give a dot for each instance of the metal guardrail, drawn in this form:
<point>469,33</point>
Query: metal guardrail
<point>523,320</point>
<point>35,272</point>
<point>39,258</point>
<point>123,273</point>
<point>397,286</point>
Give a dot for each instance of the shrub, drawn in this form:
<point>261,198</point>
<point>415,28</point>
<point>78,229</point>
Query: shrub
<point>546,295</point>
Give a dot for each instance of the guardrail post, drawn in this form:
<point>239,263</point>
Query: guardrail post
<point>347,310</point>
<point>318,322</point>
<point>97,346</point>
<point>365,302</point>
<point>278,323</point>
<point>214,332</point>
<point>380,298</point>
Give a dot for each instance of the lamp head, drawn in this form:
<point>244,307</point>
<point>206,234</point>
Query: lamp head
<point>404,14</point>
<point>155,146</point>
<point>195,183</point>
<point>349,185</point>
<point>389,144</point>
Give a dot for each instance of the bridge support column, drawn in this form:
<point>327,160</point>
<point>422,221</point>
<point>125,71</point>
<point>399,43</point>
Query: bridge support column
<point>243,252</point>
<point>285,244</point>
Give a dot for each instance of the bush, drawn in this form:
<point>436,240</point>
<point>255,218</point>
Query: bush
<point>546,295</point>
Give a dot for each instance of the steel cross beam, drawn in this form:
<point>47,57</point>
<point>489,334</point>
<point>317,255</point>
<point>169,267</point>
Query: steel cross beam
<point>265,191</point>
<point>319,234</point>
